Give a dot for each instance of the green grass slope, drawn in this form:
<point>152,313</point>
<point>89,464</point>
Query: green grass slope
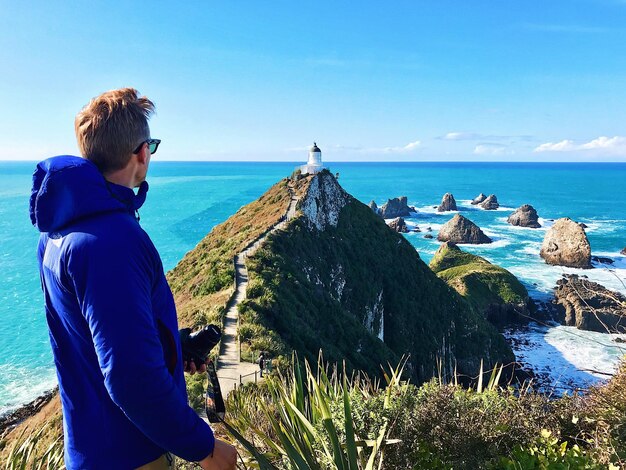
<point>489,289</point>
<point>342,288</point>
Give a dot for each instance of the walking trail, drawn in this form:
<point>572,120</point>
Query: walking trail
<point>231,371</point>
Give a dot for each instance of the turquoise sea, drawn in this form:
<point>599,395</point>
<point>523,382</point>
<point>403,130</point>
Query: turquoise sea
<point>187,199</point>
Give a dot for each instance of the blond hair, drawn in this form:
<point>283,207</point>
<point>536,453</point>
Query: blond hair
<point>112,126</point>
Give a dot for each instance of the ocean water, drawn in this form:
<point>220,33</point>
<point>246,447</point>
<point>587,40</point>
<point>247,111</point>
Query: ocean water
<point>187,199</point>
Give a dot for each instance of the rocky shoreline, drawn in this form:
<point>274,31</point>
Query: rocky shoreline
<point>13,418</point>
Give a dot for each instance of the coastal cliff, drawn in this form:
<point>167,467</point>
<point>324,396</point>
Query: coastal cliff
<point>338,279</point>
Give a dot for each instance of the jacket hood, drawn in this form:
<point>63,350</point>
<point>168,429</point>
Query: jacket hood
<point>67,188</point>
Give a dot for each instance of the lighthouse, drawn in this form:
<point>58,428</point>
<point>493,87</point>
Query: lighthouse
<point>314,163</point>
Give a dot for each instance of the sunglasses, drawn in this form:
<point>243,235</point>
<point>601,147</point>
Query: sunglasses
<point>153,144</point>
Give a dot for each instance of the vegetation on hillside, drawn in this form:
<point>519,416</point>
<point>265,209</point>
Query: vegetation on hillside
<point>341,288</point>
<point>203,281</point>
<point>489,289</point>
<point>304,416</point>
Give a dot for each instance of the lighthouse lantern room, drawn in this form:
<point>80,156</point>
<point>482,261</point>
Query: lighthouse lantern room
<point>314,163</point>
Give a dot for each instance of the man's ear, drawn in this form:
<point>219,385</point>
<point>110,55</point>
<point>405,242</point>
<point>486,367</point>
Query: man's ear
<point>142,156</point>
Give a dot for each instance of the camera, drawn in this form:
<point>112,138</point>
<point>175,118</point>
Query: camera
<point>197,346</point>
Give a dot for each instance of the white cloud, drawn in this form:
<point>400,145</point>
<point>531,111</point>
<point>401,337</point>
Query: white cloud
<point>615,146</point>
<point>603,142</point>
<point>492,149</point>
<point>410,147</point>
<point>461,136</point>
<point>563,146</point>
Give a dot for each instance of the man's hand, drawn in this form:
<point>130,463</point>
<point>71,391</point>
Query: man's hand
<point>191,368</point>
<point>223,457</point>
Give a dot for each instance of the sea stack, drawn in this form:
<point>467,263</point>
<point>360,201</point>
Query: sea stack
<point>478,199</point>
<point>372,205</point>
<point>525,216</point>
<point>399,225</point>
<point>566,244</point>
<point>396,207</point>
<point>462,230</point>
<point>590,306</point>
<point>490,203</point>
<point>623,252</point>
<point>447,203</point>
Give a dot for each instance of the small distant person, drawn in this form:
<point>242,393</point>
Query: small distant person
<point>110,312</point>
<point>261,362</point>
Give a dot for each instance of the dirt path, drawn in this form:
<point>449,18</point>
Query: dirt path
<point>231,371</point>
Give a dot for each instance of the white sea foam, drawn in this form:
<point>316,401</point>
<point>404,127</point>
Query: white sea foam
<point>568,358</point>
<point>23,385</point>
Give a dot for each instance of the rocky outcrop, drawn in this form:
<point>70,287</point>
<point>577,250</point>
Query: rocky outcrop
<point>462,230</point>
<point>623,252</point>
<point>478,199</point>
<point>590,306</point>
<point>566,244</point>
<point>490,203</point>
<point>428,236</point>
<point>525,216</point>
<point>399,225</point>
<point>323,201</point>
<point>491,290</point>
<point>372,205</point>
<point>447,203</point>
<point>396,207</point>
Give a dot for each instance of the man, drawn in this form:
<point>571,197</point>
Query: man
<point>110,312</point>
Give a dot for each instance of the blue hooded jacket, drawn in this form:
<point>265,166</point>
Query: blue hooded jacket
<point>112,321</point>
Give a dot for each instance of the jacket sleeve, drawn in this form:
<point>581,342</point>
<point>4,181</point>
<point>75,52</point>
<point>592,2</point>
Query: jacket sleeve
<point>113,282</point>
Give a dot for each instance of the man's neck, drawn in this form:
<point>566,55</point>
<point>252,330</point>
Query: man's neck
<point>122,180</point>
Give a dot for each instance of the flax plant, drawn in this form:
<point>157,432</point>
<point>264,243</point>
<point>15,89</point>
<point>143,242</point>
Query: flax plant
<point>26,453</point>
<point>289,423</point>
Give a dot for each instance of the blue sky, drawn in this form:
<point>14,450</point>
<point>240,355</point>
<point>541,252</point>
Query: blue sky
<point>396,81</point>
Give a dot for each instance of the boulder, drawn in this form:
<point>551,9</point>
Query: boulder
<point>602,260</point>
<point>490,203</point>
<point>490,290</point>
<point>428,236</point>
<point>590,306</point>
<point>566,244</point>
<point>525,216</point>
<point>462,230</point>
<point>395,207</point>
<point>623,252</point>
<point>478,199</point>
<point>447,203</point>
<point>399,225</point>
<point>372,205</point>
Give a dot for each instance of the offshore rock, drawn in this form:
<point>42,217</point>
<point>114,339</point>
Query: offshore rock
<point>566,244</point>
<point>590,306</point>
<point>428,236</point>
<point>372,205</point>
<point>491,203</point>
<point>525,216</point>
<point>447,203</point>
<point>462,230</point>
<point>623,252</point>
<point>396,207</point>
<point>491,290</point>
<point>399,225</point>
<point>478,199</point>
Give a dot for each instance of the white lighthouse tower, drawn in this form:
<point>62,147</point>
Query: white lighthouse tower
<point>314,163</point>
